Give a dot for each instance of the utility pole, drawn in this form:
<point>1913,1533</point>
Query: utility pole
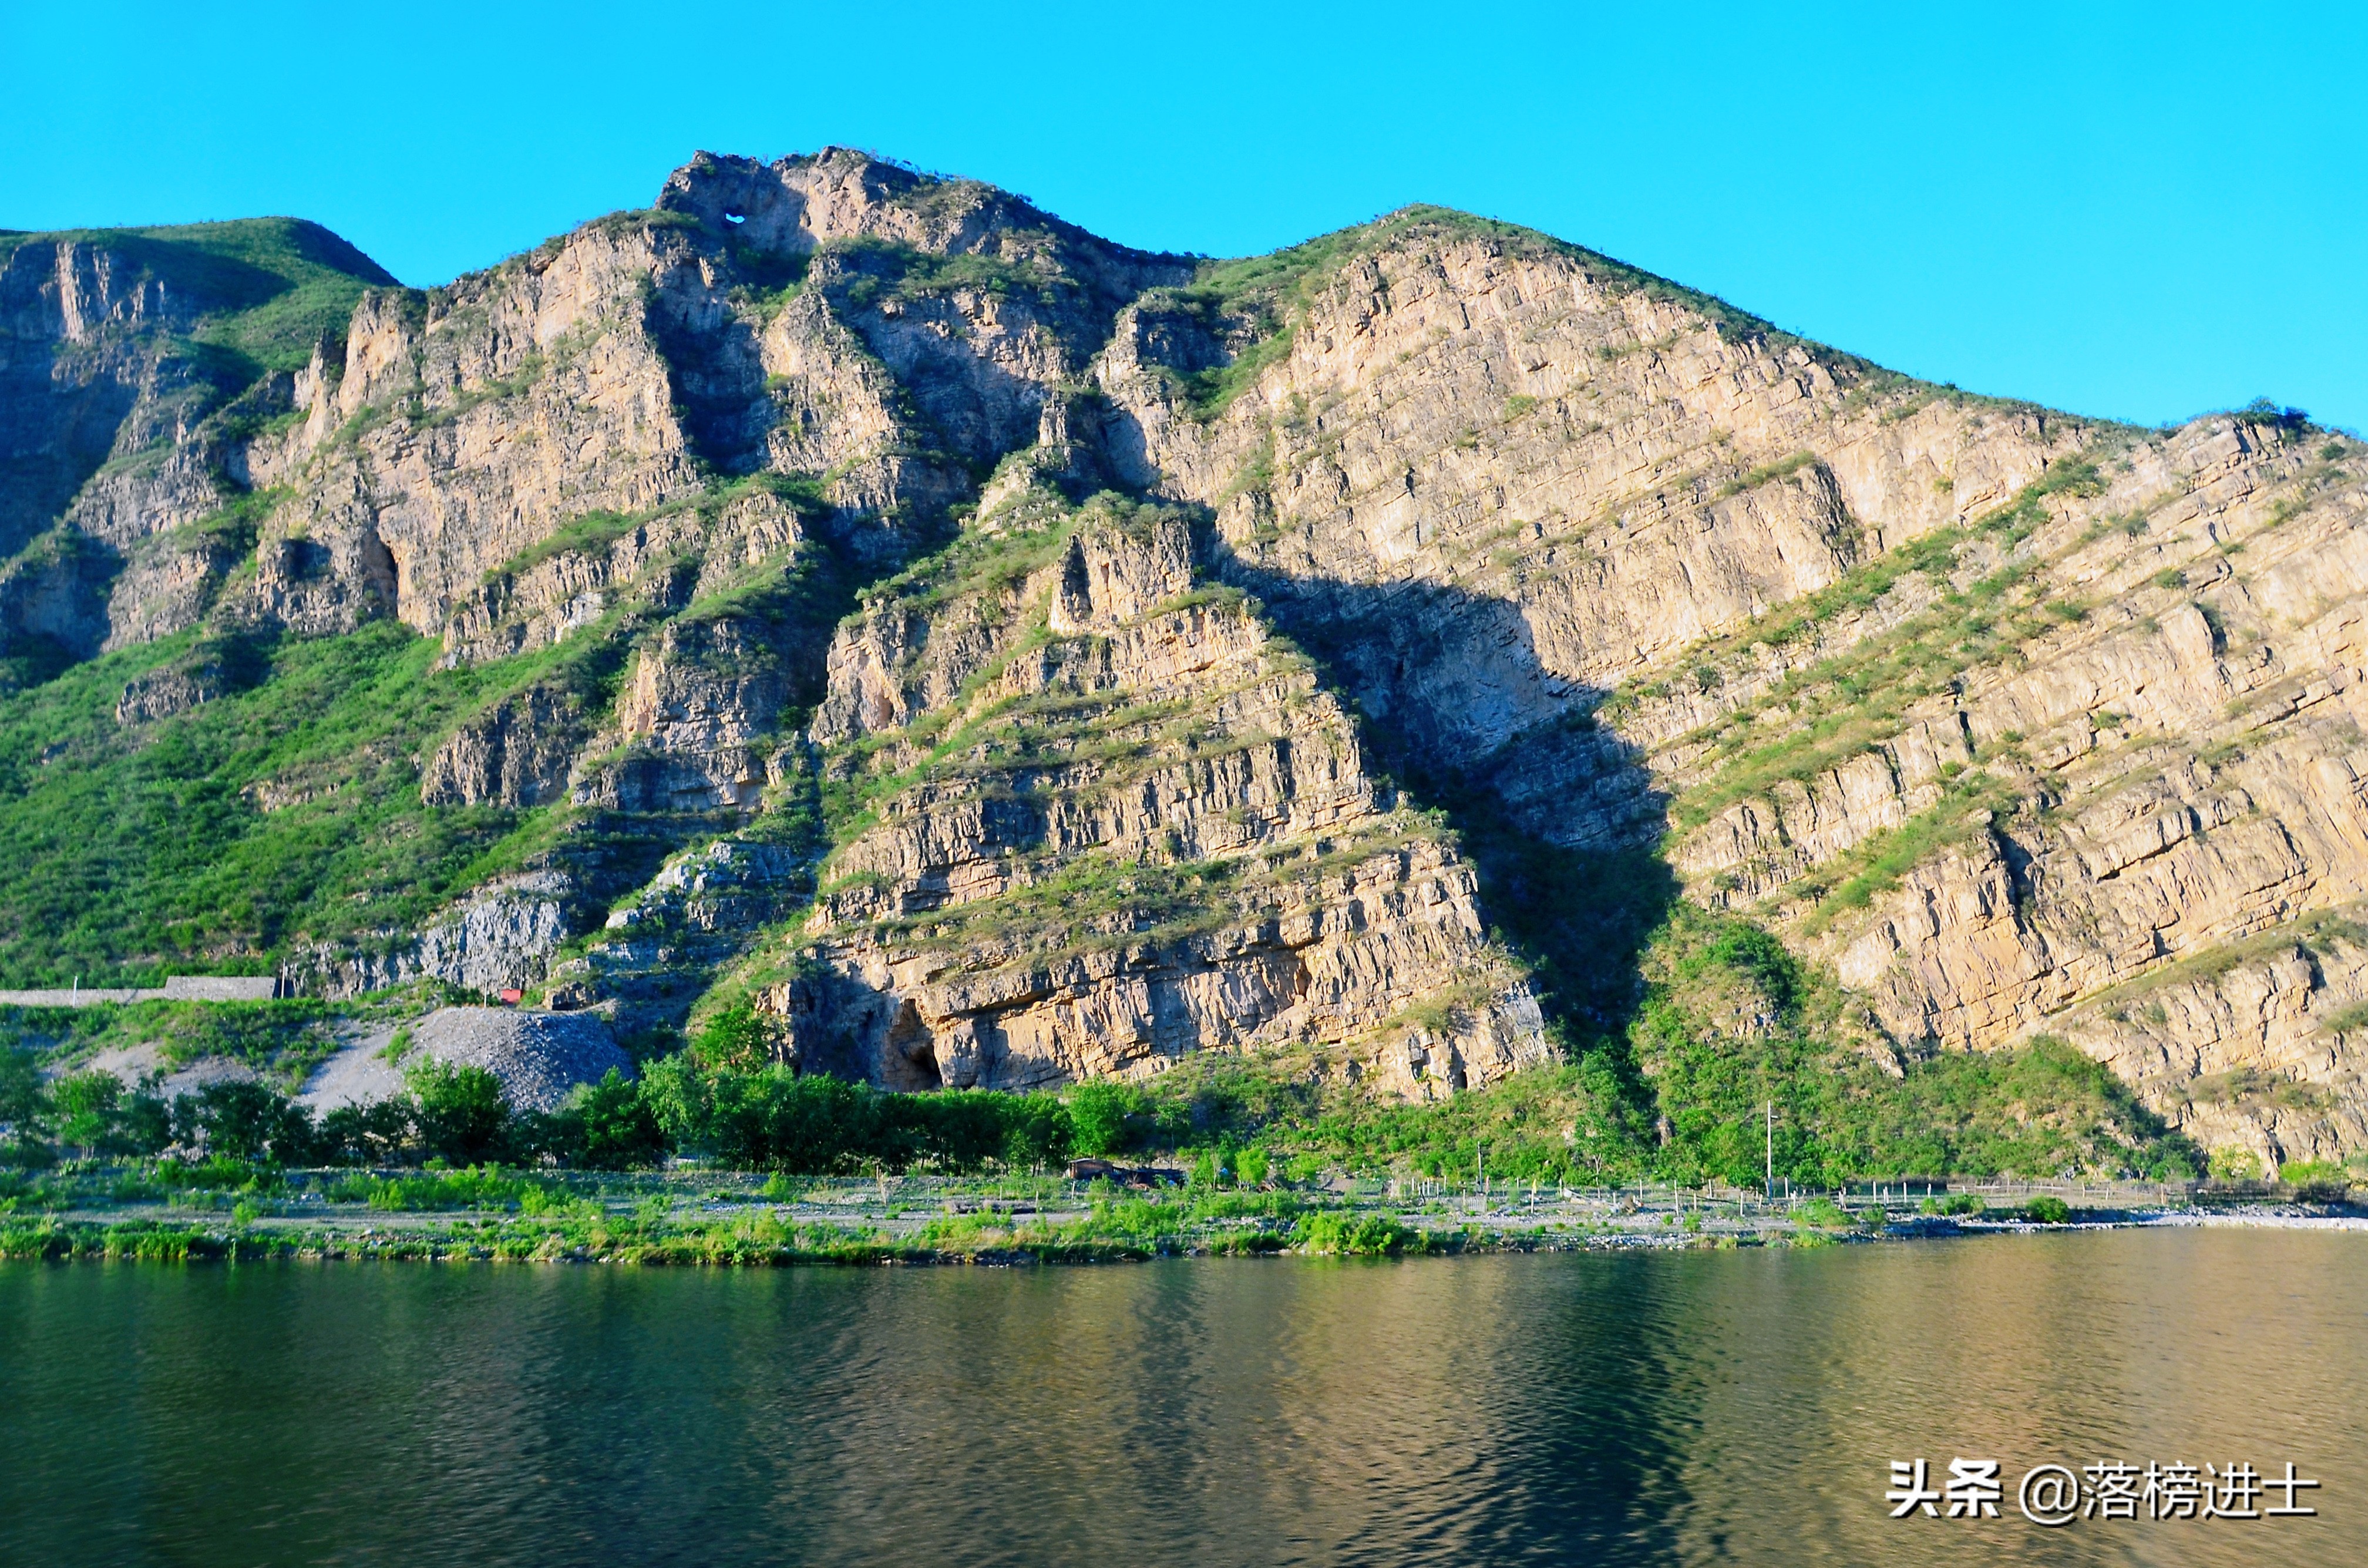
<point>1771,1150</point>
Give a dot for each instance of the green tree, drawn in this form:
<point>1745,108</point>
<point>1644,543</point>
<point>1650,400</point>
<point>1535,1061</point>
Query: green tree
<point>460,1111</point>
<point>1100,1116</point>
<point>608,1126</point>
<point>375,1135</point>
<point>145,1123</point>
<point>85,1108</point>
<point>248,1121</point>
<point>1037,1131</point>
<point>740,1038</point>
<point>22,1102</point>
<point>683,1099</point>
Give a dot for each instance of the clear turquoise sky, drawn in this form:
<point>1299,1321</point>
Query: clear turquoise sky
<point>2138,211</point>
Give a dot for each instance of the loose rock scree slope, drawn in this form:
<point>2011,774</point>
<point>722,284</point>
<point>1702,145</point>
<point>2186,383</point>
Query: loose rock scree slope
<point>1005,657</point>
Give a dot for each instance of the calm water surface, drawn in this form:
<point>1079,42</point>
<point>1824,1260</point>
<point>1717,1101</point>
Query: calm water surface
<point>1589,1409</point>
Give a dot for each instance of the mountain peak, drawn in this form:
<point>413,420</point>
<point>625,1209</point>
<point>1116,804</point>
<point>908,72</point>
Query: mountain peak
<point>1010,657</point>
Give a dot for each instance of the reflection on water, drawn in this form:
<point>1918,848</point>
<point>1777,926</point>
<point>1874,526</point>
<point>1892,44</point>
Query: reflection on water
<point>1596,1409</point>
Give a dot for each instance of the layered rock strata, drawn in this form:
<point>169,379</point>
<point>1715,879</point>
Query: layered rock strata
<point>1111,820</point>
<point>2013,723</point>
<point>1990,709</point>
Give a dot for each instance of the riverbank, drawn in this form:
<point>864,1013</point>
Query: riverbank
<point>173,1212</point>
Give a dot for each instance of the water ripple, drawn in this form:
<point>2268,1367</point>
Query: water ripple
<point>1586,1409</point>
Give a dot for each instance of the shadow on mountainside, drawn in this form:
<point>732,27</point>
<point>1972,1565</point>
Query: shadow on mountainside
<point>1559,817</point>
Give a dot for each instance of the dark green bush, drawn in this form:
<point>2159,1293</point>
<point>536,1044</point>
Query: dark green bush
<point>607,1126</point>
<point>1334,1231</point>
<point>773,1119</point>
<point>460,1113</point>
<point>244,1121</point>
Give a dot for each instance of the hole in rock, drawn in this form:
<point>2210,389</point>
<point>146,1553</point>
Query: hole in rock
<point>912,1060</point>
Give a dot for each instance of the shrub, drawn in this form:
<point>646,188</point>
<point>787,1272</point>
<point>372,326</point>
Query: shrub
<point>2231,1163</point>
<point>2046,1210</point>
<point>487,1187</point>
<point>1823,1213</point>
<point>143,1125</point>
<point>2317,1181</point>
<point>365,1135</point>
<point>608,1126</point>
<point>1342,1234</point>
<point>775,1118</point>
<point>215,1173</point>
<point>244,1121</point>
<point>460,1114</point>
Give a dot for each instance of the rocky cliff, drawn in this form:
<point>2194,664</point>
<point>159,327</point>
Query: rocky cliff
<point>135,366</point>
<point>1103,817</point>
<point>1016,657</point>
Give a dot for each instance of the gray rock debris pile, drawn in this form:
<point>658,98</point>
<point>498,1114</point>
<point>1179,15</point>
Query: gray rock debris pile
<point>538,1057</point>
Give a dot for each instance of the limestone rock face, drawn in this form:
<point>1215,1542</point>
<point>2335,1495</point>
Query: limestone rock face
<point>1132,826</point>
<point>695,706</point>
<point>2011,722</point>
<point>778,317</point>
<point>1992,711</point>
<point>76,320</point>
<point>501,936</point>
<point>516,754</point>
<point>121,434</point>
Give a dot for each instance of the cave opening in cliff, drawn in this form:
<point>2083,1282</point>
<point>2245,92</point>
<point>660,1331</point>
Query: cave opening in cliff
<point>912,1058</point>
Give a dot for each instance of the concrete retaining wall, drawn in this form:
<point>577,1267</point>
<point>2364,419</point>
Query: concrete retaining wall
<point>177,988</point>
<point>219,988</point>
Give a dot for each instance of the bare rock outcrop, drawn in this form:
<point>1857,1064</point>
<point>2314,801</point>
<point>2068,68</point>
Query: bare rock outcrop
<point>1990,709</point>
<point>1139,828</point>
<point>500,938</point>
<point>517,754</point>
<point>2000,717</point>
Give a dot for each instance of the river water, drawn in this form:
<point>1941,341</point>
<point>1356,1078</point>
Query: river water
<point>1590,1408</point>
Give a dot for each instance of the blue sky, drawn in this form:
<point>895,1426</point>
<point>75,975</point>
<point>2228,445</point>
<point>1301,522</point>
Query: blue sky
<point>2135,211</point>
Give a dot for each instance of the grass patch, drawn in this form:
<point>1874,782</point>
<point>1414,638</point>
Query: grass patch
<point>150,847</point>
<point>271,288</point>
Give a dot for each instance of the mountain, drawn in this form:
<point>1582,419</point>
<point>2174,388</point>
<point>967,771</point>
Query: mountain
<point>989,655</point>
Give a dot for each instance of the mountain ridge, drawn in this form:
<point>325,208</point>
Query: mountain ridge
<point>1619,602</point>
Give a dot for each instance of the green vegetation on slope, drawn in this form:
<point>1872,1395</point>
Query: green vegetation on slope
<point>1730,1026</point>
<point>270,288</point>
<point>1731,1021</point>
<point>285,1038</point>
<point>284,812</point>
